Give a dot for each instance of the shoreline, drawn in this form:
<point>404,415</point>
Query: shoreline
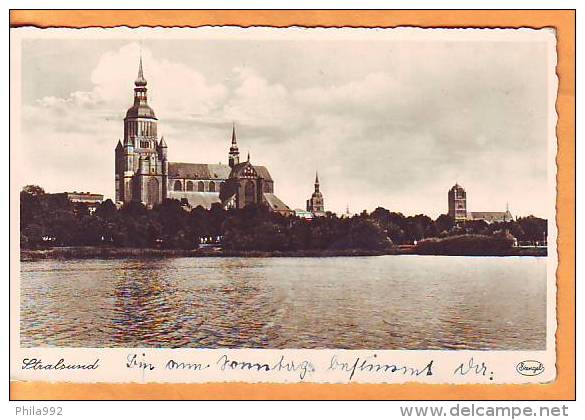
<point>70,253</point>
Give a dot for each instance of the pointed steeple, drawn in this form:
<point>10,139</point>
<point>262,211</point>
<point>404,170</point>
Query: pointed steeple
<point>119,145</point>
<point>234,141</point>
<point>140,80</point>
<point>248,156</point>
<point>163,149</point>
<point>316,181</point>
<point>140,109</point>
<point>234,154</point>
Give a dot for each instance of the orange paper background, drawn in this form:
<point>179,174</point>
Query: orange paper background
<point>562,20</point>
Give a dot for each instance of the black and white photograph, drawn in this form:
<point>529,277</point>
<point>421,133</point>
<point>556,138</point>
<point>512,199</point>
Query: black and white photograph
<point>326,205</point>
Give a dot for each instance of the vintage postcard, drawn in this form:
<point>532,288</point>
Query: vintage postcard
<point>283,205</point>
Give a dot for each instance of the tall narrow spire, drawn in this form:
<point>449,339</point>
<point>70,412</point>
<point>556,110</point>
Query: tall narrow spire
<point>234,154</point>
<point>234,141</point>
<point>140,80</point>
<point>248,156</point>
<point>316,181</point>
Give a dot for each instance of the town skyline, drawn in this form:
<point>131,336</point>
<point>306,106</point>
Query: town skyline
<point>342,127</point>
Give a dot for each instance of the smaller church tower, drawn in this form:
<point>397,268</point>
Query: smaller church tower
<point>316,204</point>
<point>234,155</point>
<point>457,201</point>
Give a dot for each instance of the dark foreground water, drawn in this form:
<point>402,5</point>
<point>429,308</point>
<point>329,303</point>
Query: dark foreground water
<point>388,302</point>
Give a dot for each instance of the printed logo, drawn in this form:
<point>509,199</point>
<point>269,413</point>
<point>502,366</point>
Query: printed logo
<point>530,368</point>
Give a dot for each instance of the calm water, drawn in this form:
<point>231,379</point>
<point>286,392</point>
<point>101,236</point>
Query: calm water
<point>389,302</point>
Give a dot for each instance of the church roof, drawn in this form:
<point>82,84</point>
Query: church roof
<point>196,199</point>
<point>261,171</point>
<point>275,203</point>
<point>198,170</point>
<point>140,110</point>
<point>491,216</point>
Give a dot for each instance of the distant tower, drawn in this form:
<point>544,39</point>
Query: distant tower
<point>234,155</point>
<point>507,214</point>
<point>315,204</point>
<point>457,198</point>
<point>347,214</point>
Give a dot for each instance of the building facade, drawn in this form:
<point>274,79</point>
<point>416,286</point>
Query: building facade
<point>144,174</point>
<point>249,184</point>
<point>91,200</point>
<point>316,204</point>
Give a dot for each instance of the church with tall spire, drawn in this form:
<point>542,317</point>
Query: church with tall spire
<point>316,204</point>
<point>144,174</point>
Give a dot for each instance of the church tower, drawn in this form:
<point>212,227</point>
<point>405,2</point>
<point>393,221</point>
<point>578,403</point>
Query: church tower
<point>234,155</point>
<point>140,173</point>
<point>457,202</point>
<point>316,204</point>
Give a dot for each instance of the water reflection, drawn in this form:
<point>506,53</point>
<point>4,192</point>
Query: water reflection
<point>144,308</point>
<point>394,302</point>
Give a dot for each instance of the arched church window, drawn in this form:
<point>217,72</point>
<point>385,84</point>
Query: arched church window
<point>189,185</point>
<point>200,186</point>
<point>211,186</point>
<point>178,186</point>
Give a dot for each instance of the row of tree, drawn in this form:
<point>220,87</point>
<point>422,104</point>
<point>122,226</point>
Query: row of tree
<point>409,229</point>
<point>52,220</point>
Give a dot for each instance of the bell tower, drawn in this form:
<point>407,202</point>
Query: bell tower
<point>316,204</point>
<point>457,201</point>
<point>141,157</point>
<point>140,124</point>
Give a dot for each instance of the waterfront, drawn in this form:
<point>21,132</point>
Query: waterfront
<point>382,302</point>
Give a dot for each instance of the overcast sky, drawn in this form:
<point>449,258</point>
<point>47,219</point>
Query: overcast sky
<point>386,122</point>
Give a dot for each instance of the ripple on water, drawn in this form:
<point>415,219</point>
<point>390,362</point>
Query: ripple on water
<point>374,302</point>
